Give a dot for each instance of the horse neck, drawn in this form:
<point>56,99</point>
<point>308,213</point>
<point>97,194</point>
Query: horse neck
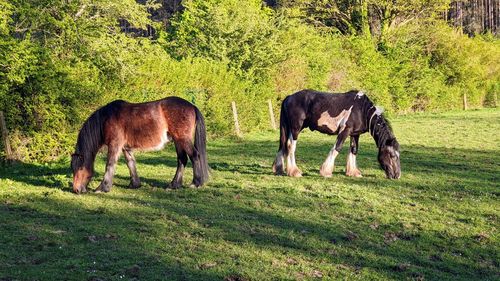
<point>381,131</point>
<point>87,151</point>
<point>90,139</point>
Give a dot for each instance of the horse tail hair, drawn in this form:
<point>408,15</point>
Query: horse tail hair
<point>200,144</point>
<point>284,127</point>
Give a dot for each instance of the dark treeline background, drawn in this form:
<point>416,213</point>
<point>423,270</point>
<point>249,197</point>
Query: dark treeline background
<point>61,60</point>
<point>475,17</point>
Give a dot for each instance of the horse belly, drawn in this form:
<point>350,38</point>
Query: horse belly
<point>149,140</point>
<point>164,139</point>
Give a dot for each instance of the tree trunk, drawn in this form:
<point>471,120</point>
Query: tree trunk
<point>363,12</point>
<point>475,16</point>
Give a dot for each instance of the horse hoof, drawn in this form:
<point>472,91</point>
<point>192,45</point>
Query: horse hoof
<point>296,173</point>
<point>195,185</point>
<point>99,190</point>
<point>278,171</point>
<point>134,186</point>
<point>325,171</point>
<point>354,174</point>
<point>174,186</point>
<point>325,174</point>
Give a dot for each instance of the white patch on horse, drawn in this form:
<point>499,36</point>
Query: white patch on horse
<point>378,111</point>
<point>164,139</point>
<point>334,123</point>
<point>359,95</point>
<point>291,166</point>
<point>326,169</point>
<point>351,167</point>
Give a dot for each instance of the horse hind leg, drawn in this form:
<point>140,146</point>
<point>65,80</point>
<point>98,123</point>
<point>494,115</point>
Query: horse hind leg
<point>192,152</point>
<point>278,165</point>
<point>195,158</point>
<point>130,159</point>
<point>181,164</point>
<point>107,182</point>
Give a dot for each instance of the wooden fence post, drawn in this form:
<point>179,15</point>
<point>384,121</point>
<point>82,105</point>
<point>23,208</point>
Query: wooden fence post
<point>5,137</point>
<point>235,116</point>
<point>271,114</point>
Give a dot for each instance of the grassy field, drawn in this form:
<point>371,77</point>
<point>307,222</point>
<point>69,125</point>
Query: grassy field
<point>439,221</point>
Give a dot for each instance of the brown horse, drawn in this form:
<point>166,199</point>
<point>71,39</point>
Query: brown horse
<point>124,127</point>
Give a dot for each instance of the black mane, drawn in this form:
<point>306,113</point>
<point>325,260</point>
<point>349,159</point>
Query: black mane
<point>377,125</point>
<point>381,130</point>
<point>91,135</point>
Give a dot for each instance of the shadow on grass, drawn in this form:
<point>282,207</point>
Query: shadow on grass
<point>47,236</point>
<point>461,166</point>
<point>71,240</point>
<point>53,176</point>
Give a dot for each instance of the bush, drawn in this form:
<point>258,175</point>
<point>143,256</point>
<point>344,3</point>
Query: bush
<point>74,59</point>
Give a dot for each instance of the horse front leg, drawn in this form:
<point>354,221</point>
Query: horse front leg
<point>351,169</point>
<point>107,182</point>
<point>130,159</point>
<point>326,169</point>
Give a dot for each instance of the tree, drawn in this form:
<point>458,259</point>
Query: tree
<point>242,34</point>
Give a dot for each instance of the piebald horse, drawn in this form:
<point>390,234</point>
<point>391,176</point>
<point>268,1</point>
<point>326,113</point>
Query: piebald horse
<point>346,115</point>
<point>125,127</point>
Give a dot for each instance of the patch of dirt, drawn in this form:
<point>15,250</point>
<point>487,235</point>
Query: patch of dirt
<point>208,265</point>
<point>316,274</point>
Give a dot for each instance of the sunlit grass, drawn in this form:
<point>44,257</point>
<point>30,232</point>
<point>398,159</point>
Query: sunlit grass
<point>439,221</point>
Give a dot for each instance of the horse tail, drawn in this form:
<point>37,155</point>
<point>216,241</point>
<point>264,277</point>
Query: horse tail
<point>200,144</point>
<point>284,127</point>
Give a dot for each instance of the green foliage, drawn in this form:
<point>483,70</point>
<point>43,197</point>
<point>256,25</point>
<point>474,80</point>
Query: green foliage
<point>241,34</point>
<point>59,61</point>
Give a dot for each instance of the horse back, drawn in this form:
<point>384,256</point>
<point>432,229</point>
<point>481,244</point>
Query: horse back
<point>150,125</point>
<point>328,113</point>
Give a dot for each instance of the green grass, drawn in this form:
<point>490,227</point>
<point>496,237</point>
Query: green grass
<point>439,221</point>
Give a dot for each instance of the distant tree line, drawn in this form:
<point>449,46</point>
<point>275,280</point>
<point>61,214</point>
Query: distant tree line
<point>475,16</point>
<point>472,16</point>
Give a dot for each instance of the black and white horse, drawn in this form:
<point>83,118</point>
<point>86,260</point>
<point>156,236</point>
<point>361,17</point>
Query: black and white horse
<point>346,115</point>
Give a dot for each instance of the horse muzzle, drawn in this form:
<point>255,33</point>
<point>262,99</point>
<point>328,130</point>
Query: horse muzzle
<point>79,189</point>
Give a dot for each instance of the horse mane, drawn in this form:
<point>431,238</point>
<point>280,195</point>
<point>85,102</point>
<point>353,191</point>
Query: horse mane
<point>378,126</point>
<point>382,131</point>
<point>91,135</point>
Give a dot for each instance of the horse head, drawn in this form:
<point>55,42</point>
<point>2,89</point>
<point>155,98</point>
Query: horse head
<point>82,173</point>
<point>388,157</point>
